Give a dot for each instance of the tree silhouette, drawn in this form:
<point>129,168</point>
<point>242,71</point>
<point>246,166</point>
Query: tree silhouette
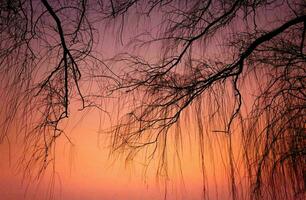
<point>212,55</point>
<point>272,55</point>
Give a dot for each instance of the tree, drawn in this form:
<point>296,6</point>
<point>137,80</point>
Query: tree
<point>188,76</point>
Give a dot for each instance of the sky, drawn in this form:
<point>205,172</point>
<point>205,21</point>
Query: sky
<point>84,167</point>
<point>86,171</point>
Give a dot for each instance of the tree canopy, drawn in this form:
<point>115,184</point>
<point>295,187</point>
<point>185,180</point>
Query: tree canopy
<point>223,66</point>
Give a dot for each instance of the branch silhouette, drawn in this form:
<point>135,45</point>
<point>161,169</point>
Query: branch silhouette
<point>225,67</point>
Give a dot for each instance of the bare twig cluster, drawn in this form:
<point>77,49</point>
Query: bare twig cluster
<point>207,49</point>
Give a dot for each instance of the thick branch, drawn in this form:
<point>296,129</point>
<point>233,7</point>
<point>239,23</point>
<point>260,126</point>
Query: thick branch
<point>65,49</point>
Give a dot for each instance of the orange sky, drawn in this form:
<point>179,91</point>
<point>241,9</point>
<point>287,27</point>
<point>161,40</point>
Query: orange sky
<point>85,171</point>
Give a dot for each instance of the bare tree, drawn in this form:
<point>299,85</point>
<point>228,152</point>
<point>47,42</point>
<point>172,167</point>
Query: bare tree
<point>44,47</point>
<point>209,52</point>
<point>268,51</point>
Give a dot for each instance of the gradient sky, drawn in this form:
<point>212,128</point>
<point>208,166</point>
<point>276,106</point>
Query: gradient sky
<point>85,170</point>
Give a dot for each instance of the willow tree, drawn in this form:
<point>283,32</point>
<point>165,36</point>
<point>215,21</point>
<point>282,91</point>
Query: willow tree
<point>235,66</point>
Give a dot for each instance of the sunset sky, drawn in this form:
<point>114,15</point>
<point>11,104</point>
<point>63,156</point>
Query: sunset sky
<point>85,171</point>
<point>196,68</point>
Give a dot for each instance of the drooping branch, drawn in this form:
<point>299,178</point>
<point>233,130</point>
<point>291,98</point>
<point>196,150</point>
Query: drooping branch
<point>67,56</point>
